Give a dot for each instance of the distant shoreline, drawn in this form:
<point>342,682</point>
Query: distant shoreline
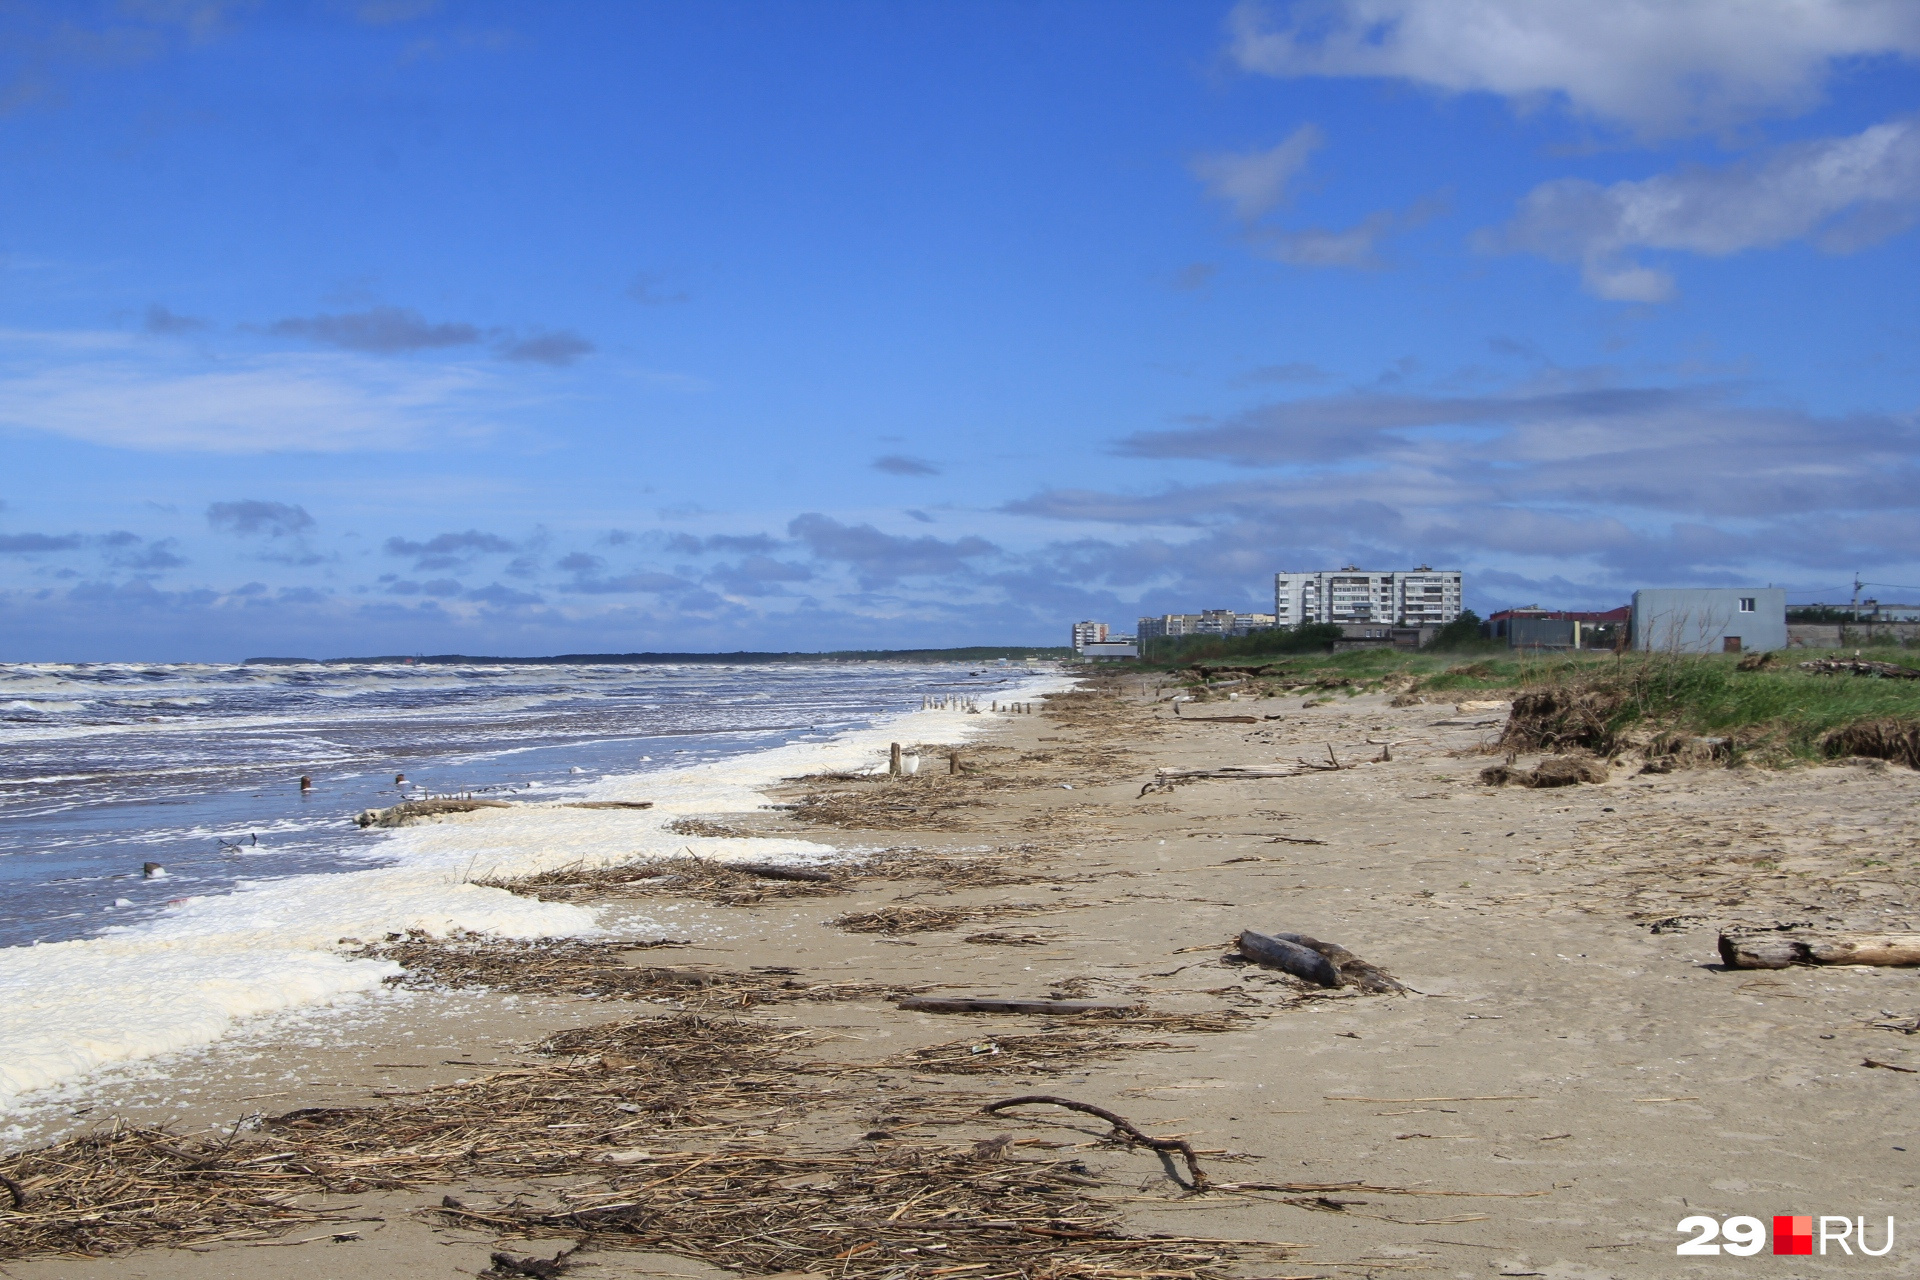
<point>986,653</point>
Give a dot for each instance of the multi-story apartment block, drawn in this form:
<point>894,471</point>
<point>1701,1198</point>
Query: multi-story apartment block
<point>1086,633</point>
<point>1208,622</point>
<point>1408,598</point>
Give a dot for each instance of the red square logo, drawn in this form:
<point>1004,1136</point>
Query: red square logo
<point>1792,1233</point>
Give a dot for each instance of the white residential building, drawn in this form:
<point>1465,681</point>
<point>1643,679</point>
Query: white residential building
<point>1208,622</point>
<point>1086,633</point>
<point>1407,597</point>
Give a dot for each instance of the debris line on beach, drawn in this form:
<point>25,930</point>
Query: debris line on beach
<point>570,966</point>
<point>671,1133</point>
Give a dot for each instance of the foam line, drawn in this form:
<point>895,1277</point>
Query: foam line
<point>186,978</point>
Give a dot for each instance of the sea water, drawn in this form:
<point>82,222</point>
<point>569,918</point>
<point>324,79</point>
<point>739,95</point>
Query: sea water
<point>104,768</point>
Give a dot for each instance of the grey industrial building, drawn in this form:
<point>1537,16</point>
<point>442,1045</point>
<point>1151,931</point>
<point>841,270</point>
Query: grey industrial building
<point>1709,619</point>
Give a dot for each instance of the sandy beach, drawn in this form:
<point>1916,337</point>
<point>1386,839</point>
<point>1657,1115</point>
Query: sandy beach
<point>1569,1074</point>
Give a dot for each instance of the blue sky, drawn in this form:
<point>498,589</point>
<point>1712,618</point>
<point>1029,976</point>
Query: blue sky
<point>363,326</point>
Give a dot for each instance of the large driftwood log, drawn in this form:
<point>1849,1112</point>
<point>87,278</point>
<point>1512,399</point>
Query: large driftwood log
<point>410,811</point>
<point>1231,771</point>
<point>1779,950</point>
<point>608,804</point>
<point>1284,953</point>
<point>1354,972</point>
<point>990,1004</point>
<point>1327,963</point>
<point>1221,719</point>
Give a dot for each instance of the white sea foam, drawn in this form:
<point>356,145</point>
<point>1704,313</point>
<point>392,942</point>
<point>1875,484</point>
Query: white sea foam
<point>186,978</point>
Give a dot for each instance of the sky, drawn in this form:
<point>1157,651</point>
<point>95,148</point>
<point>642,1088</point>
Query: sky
<point>334,327</point>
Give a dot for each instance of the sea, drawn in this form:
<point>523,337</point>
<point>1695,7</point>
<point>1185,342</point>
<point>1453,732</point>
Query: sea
<point>165,877</point>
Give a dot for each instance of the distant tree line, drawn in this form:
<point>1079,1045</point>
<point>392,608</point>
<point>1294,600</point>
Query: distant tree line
<point>1311,637</point>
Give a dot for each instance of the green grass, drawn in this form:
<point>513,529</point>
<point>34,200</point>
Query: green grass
<point>1772,715</point>
<point>1779,712</point>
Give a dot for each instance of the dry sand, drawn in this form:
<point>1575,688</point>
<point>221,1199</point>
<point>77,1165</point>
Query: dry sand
<point>1573,1075</point>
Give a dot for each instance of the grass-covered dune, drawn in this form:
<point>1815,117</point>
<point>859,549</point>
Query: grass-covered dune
<point>1773,713</point>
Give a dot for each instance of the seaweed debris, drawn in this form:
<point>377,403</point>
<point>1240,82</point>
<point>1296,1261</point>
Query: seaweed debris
<point>668,1134</point>
<point>720,883</point>
<point>599,970</point>
<point>918,919</point>
<point>1062,1045</point>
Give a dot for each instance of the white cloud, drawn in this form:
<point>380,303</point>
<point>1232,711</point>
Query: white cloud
<point>1255,182</point>
<point>1659,67</point>
<point>1322,247</point>
<point>1844,193</point>
<point>1638,485</point>
<point>321,403</point>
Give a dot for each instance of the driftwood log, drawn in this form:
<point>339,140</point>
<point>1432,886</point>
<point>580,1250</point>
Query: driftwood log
<point>1337,967</point>
<point>411,811</point>
<point>989,1004</point>
<point>1222,719</point>
<point>608,804</point>
<point>1230,771</point>
<point>1284,953</point>
<point>1779,950</point>
<point>775,871</point>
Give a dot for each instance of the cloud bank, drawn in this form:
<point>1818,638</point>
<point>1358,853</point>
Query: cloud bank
<point>1841,193</point>
<point>1654,67</point>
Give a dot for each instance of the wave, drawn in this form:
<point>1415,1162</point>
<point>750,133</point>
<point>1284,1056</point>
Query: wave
<point>184,979</point>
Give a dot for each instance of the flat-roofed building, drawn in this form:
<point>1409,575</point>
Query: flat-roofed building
<point>1086,633</point>
<point>1208,622</point>
<point>1710,619</point>
<point>1402,597</point>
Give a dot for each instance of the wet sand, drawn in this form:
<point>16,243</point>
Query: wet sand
<point>1572,1075</point>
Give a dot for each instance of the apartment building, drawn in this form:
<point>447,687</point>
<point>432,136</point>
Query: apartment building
<point>1208,622</point>
<point>1403,597</point>
<point>1086,633</point>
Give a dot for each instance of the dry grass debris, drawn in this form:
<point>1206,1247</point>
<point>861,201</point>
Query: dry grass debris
<point>668,1133</point>
<point>1554,771</point>
<point>1561,718</point>
<point>903,1211</point>
<point>1063,1044</point>
<point>600,970</point>
<point>707,827</point>
<point>720,883</point>
<point>1039,1052</point>
<point>917,919</point>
